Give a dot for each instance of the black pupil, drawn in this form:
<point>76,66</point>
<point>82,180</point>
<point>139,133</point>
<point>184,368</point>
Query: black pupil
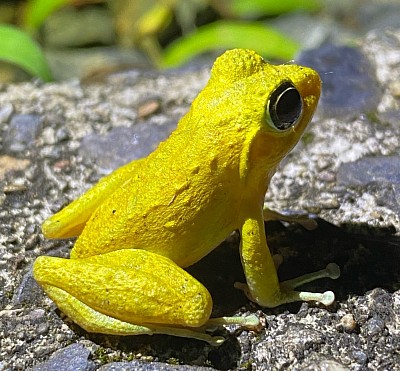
<point>285,106</point>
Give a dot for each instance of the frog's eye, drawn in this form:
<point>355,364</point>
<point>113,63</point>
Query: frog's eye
<point>284,107</point>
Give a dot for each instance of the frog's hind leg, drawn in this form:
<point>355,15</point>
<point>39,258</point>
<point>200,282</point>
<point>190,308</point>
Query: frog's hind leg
<point>70,221</point>
<point>96,322</point>
<point>131,292</point>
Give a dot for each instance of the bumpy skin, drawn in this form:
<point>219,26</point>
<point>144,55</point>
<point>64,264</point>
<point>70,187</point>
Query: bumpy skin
<point>206,180</point>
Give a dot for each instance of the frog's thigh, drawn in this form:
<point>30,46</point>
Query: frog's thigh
<point>134,286</point>
<point>70,221</point>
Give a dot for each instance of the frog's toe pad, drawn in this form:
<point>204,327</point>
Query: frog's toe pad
<point>332,271</point>
<point>328,297</point>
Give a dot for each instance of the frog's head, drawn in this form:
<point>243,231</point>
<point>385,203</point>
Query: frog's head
<point>271,104</point>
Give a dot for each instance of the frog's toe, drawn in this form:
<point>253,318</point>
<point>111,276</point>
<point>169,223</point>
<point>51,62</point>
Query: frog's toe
<point>326,298</point>
<point>332,271</point>
<point>250,322</point>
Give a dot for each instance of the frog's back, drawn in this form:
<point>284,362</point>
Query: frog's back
<point>182,195</point>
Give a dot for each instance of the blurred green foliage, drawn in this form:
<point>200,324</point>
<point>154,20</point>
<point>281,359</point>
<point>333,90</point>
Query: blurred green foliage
<point>256,8</point>
<point>19,48</point>
<point>226,35</point>
<point>142,24</point>
<point>234,30</point>
<point>36,12</point>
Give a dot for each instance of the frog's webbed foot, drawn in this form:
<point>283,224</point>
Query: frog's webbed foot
<point>287,294</point>
<point>305,220</point>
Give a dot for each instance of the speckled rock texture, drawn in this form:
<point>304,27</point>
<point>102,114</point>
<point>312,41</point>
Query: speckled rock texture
<point>58,139</point>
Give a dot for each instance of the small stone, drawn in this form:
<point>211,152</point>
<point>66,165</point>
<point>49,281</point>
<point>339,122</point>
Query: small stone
<point>360,356</point>
<point>148,108</point>
<point>348,323</point>
<point>42,328</point>
<point>5,112</point>
<point>375,326</point>
<point>49,136</point>
<point>22,132</point>
<point>62,134</point>
<point>395,88</point>
<point>8,163</point>
<point>71,358</point>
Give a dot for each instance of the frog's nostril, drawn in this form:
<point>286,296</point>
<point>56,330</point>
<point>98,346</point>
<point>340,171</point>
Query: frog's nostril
<point>285,106</point>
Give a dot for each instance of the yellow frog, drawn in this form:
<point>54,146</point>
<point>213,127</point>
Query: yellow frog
<point>141,225</point>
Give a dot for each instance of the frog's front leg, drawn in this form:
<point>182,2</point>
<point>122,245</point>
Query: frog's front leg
<point>131,292</point>
<point>70,221</point>
<point>263,286</point>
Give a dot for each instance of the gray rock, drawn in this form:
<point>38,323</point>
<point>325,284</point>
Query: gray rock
<point>122,145</point>
<point>348,82</point>
<point>379,16</point>
<point>324,364</point>
<point>28,291</point>
<point>22,132</point>
<point>148,366</point>
<point>71,358</point>
<point>382,173</point>
<point>381,169</point>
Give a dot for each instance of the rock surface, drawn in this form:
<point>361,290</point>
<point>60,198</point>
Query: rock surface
<point>344,171</point>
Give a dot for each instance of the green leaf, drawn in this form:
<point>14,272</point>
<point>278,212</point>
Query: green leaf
<point>36,11</point>
<point>229,34</point>
<point>18,48</point>
<point>248,8</point>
